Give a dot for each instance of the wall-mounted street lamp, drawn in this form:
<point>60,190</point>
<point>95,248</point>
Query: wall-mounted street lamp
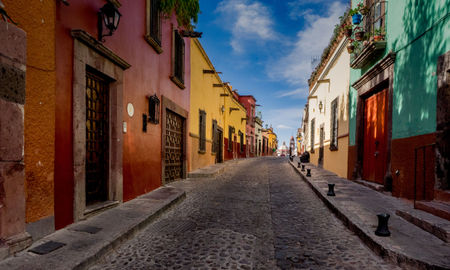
<point>320,106</point>
<point>110,16</point>
<point>153,109</point>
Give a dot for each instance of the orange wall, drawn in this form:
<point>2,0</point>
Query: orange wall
<point>37,19</point>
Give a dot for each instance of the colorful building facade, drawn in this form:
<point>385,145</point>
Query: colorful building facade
<point>235,125</point>
<point>328,111</point>
<point>207,107</point>
<point>396,106</point>
<point>249,103</point>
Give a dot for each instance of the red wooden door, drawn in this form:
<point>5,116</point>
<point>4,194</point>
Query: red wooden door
<point>374,162</point>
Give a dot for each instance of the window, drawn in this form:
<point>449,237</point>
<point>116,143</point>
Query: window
<point>214,145</point>
<point>153,33</point>
<point>202,131</point>
<point>178,60</point>
<point>230,138</point>
<point>334,125</point>
<point>241,141</point>
<point>375,19</point>
<point>312,131</point>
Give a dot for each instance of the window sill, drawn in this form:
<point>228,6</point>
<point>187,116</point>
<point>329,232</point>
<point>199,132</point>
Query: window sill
<point>177,82</point>
<point>202,152</point>
<point>152,42</point>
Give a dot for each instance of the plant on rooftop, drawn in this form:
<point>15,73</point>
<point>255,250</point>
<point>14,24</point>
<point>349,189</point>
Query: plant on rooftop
<point>186,10</point>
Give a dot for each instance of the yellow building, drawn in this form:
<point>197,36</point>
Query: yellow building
<point>215,115</point>
<point>206,121</point>
<point>273,142</point>
<point>326,129</point>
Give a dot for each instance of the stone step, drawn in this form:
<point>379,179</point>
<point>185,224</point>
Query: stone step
<point>437,208</point>
<point>435,225</point>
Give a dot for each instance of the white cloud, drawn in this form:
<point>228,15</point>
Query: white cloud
<point>297,93</point>
<point>247,21</point>
<point>295,67</point>
<point>283,127</point>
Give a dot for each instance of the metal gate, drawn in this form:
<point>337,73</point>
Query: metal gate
<point>97,142</point>
<point>173,167</point>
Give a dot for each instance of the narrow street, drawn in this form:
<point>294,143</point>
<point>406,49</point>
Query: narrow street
<point>258,214</point>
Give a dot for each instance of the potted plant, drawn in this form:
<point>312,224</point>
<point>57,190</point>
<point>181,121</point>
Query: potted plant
<point>347,29</point>
<point>356,16</point>
<point>351,46</point>
<point>363,9</point>
<point>359,33</point>
<point>378,35</point>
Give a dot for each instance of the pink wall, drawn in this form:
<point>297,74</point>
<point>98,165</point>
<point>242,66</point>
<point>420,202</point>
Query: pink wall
<point>149,74</point>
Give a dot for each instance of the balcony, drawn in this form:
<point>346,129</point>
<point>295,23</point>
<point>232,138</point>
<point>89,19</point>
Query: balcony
<point>373,43</point>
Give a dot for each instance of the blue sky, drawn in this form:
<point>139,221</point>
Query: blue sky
<point>264,48</point>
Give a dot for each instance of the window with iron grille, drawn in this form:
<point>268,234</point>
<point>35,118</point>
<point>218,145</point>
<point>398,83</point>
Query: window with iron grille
<point>230,138</point>
<point>334,125</point>
<point>313,129</point>
<point>202,131</point>
<point>214,137</point>
<point>178,60</point>
<point>153,34</point>
<point>241,141</point>
<point>374,21</point>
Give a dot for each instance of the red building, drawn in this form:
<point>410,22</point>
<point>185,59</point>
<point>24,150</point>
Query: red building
<point>249,103</point>
<point>122,104</point>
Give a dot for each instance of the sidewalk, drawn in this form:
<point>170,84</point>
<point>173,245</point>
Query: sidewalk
<point>357,206</point>
<point>82,243</point>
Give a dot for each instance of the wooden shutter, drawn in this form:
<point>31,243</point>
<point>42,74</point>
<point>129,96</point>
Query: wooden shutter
<point>202,130</point>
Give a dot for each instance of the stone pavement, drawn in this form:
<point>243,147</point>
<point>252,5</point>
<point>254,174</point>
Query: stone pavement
<point>257,214</point>
<point>357,206</point>
<point>86,241</point>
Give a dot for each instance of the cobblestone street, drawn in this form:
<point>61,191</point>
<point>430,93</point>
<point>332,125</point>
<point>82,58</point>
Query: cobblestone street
<point>258,214</point>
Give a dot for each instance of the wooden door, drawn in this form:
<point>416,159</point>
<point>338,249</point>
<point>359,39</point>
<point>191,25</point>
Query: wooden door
<point>173,169</point>
<point>219,145</point>
<point>375,139</point>
<point>321,147</point>
<point>97,134</point>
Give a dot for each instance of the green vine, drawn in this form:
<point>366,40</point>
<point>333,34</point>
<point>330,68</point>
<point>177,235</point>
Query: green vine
<point>187,11</point>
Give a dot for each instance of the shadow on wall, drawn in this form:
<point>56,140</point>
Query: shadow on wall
<point>417,48</point>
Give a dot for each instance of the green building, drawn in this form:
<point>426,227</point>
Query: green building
<point>399,97</point>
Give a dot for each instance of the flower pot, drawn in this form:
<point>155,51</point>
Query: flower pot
<point>359,36</point>
<point>356,18</point>
<point>377,38</point>
<point>348,32</point>
<point>364,11</point>
<point>350,48</point>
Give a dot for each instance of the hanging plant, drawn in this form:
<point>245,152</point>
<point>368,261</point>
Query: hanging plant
<point>186,10</point>
<point>359,33</point>
<point>347,29</point>
<point>351,46</point>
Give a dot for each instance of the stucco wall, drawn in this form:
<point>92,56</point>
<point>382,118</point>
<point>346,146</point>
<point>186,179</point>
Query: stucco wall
<point>37,19</point>
<point>204,96</point>
<point>417,30</point>
<point>148,75</point>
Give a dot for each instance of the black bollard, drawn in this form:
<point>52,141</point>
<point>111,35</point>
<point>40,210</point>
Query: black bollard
<point>331,190</point>
<point>303,168</point>
<point>298,164</point>
<point>382,229</point>
<point>308,172</point>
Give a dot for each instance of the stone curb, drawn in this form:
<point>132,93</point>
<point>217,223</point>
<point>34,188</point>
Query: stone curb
<point>367,237</point>
<point>97,245</point>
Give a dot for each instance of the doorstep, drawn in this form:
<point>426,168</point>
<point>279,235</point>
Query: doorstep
<point>81,244</point>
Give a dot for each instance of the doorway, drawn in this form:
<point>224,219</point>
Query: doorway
<point>219,145</point>
<point>321,147</point>
<point>174,153</point>
<point>375,137</point>
<point>97,138</point>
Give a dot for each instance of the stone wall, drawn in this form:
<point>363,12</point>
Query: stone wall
<point>12,169</point>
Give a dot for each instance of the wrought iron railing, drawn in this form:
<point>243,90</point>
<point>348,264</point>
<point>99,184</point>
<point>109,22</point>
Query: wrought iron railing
<point>373,25</point>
